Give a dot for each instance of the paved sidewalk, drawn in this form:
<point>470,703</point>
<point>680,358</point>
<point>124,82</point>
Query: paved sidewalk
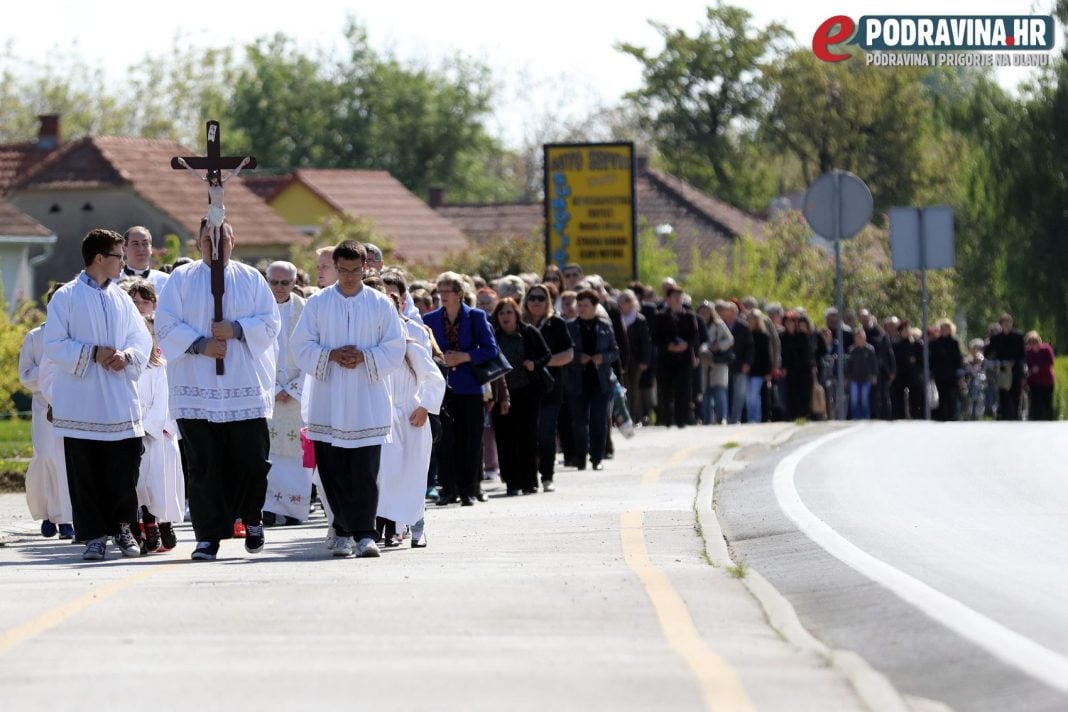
<point>598,596</point>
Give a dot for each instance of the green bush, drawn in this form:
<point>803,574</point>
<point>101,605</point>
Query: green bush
<point>1060,388</point>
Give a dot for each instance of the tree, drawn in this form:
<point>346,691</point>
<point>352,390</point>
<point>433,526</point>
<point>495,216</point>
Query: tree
<point>872,121</point>
<point>702,99</point>
<point>657,258</point>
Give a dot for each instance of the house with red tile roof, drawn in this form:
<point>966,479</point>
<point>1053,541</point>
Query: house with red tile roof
<point>115,182</point>
<point>417,233</point>
<point>19,235</point>
<point>669,205</point>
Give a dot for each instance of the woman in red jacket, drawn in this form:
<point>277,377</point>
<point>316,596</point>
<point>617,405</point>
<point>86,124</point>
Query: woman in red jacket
<point>1039,359</point>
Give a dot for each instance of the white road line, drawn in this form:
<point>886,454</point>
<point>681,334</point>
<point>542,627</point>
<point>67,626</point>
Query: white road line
<point>1023,653</point>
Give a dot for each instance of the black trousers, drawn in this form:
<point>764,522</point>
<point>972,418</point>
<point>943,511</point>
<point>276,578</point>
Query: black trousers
<point>898,399</point>
<point>228,465</point>
<point>102,477</point>
<point>674,380</point>
<point>799,393</point>
<point>350,480</point>
<point>1009,401</point>
<point>1041,400</point>
<point>460,466</point>
<point>517,439</point>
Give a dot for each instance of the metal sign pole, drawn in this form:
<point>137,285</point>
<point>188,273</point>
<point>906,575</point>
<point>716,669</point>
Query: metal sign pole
<point>840,367</point>
<point>923,309</point>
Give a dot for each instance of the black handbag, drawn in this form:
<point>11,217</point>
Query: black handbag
<point>489,371</point>
<point>723,356</point>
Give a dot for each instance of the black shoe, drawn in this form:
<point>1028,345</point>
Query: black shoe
<point>466,502</point>
<point>598,466</point>
<point>66,531</point>
<point>513,492</point>
<point>444,499</point>
<point>205,551</point>
<point>548,486</point>
<point>482,497</point>
<point>530,490</point>
<point>168,540</point>
<point>580,467</point>
<point>269,519</point>
<point>254,538</point>
<point>292,521</point>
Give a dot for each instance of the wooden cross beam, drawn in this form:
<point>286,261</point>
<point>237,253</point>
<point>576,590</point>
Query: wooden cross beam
<point>214,163</point>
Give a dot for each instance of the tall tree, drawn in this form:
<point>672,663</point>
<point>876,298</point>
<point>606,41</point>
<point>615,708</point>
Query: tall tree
<point>701,97</point>
<point>846,115</point>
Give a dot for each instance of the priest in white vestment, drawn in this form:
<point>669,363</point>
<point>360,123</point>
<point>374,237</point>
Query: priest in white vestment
<point>138,250</point>
<point>99,344</point>
<point>222,418</point>
<point>289,482</point>
<point>348,340</point>
<point>46,491</point>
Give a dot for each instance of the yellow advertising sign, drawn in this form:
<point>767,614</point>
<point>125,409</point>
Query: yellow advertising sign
<point>590,209</point>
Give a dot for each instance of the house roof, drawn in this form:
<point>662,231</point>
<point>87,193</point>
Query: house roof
<point>16,159</point>
<point>484,222</point>
<point>418,233</point>
<point>144,166</point>
<point>15,223</point>
<point>265,186</point>
<point>697,219</point>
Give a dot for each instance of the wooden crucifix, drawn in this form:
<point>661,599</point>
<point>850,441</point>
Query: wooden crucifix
<point>214,163</point>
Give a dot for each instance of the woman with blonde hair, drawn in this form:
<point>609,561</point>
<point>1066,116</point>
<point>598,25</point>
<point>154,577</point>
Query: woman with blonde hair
<point>538,312</point>
<point>1039,358</point>
<point>947,370</point>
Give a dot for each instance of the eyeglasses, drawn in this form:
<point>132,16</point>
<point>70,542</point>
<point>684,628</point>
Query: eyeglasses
<point>279,282</point>
<point>535,297</point>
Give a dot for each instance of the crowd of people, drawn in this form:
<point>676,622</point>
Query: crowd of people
<point>375,394</point>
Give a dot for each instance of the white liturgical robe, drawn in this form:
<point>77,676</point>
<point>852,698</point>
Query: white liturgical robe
<point>46,493</point>
<point>246,390</point>
<point>349,408</point>
<point>403,467</point>
<point>89,401</point>
<point>161,485</point>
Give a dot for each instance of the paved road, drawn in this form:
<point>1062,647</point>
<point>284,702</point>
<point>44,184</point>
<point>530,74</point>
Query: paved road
<point>936,551</point>
<point>595,597</point>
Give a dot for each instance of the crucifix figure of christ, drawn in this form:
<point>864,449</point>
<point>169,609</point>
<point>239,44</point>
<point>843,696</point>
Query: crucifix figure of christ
<point>214,163</point>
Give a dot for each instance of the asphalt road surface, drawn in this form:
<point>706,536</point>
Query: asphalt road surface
<point>595,597</point>
<point>938,552</point>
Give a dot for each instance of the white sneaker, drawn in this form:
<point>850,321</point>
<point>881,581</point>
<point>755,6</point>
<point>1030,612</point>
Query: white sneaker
<point>367,549</point>
<point>331,538</point>
<point>343,546</point>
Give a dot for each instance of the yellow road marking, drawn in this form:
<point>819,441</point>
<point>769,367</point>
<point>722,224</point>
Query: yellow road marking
<point>50,619</point>
<point>720,685</point>
<point>651,476</point>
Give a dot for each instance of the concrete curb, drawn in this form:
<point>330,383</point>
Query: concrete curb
<point>872,687</point>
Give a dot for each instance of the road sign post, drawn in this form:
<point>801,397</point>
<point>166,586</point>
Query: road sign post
<point>837,206</point>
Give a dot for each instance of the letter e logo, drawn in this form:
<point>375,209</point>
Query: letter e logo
<point>834,30</point>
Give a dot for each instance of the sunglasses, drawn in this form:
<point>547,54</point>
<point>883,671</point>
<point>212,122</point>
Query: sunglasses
<point>279,282</point>
<point>535,297</point>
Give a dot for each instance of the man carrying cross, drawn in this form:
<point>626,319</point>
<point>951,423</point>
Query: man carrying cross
<point>222,417</point>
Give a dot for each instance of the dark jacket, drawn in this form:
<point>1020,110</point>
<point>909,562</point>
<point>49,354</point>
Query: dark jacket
<point>862,365</point>
<point>606,346</point>
<point>743,346</point>
<point>1008,347</point>
<point>670,327</point>
<point>947,362</point>
<point>476,338</point>
<point>762,354</point>
<point>884,353</point>
<point>534,349</point>
<point>641,343</point>
<point>797,353</point>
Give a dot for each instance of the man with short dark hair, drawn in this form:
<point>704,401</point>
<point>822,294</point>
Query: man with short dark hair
<point>99,345</point>
<point>138,254</point>
<point>1007,348</point>
<point>222,418</point>
<point>675,333</point>
<point>349,339</point>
